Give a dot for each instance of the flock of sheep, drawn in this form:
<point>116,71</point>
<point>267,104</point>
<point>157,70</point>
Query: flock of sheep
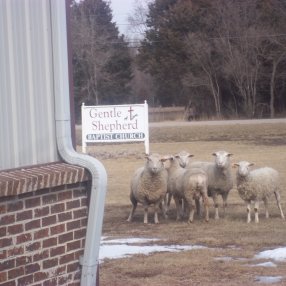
<point>190,183</point>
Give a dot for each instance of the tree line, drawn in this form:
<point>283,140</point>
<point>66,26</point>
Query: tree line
<point>226,57</point>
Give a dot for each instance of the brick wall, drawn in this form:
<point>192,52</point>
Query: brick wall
<point>42,230</point>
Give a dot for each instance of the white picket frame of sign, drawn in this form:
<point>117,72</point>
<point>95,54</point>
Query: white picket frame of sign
<point>115,123</point>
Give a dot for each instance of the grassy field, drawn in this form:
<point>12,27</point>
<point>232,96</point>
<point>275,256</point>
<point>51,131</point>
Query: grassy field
<point>231,236</point>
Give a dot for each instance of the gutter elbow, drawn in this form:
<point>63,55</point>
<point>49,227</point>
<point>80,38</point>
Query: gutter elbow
<point>89,261</point>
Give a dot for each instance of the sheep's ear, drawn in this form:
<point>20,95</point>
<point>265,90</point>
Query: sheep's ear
<point>177,156</point>
<point>214,154</point>
<point>166,158</point>
<point>146,156</point>
<point>234,165</point>
<point>229,154</point>
<point>251,164</point>
<point>191,155</point>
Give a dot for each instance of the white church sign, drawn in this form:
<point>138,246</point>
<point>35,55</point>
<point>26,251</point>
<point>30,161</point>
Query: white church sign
<point>115,123</point>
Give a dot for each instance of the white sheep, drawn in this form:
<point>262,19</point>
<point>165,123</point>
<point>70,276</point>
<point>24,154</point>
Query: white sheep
<point>149,186</point>
<point>186,186</point>
<point>220,180</point>
<point>257,185</point>
<point>184,159</point>
<point>194,186</point>
<point>174,189</point>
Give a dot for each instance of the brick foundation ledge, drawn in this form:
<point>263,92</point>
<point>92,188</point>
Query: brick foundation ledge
<point>26,180</point>
<point>43,222</point>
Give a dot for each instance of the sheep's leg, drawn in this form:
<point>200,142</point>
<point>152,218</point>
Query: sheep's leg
<point>206,206</point>
<point>165,201</point>
<point>163,208</point>
<point>178,207</point>
<point>224,199</point>
<point>277,195</point>
<point>215,199</point>
<point>169,201</point>
<point>192,211</point>
<point>183,208</point>
<point>156,209</point>
<point>198,207</point>
<point>248,208</point>
<point>191,217</point>
<point>266,208</point>
<point>134,206</point>
<point>256,208</point>
<point>146,214</point>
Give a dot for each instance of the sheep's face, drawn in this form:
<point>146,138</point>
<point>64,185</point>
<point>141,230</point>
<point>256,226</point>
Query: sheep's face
<point>183,158</point>
<point>167,161</point>
<point>155,163</point>
<point>222,159</point>
<point>243,168</point>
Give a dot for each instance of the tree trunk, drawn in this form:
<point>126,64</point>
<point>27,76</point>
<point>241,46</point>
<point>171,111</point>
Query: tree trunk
<point>216,94</point>
<point>272,87</point>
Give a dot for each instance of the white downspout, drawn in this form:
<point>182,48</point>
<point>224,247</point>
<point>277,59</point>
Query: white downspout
<point>63,135</point>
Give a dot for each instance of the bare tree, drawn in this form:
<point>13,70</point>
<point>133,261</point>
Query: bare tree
<point>276,60</point>
<point>142,83</point>
<point>274,51</point>
<point>239,43</point>
<point>137,20</point>
<point>90,54</point>
<point>201,54</point>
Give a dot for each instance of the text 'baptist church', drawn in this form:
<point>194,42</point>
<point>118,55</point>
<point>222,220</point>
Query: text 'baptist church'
<point>115,136</point>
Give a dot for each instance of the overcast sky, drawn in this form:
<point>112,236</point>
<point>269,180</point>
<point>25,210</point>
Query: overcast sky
<point>121,9</point>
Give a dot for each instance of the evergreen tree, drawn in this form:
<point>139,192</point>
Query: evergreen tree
<point>164,52</point>
<point>102,64</point>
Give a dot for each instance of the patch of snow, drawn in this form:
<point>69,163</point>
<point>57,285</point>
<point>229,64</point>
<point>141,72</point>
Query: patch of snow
<point>264,264</point>
<point>268,279</point>
<point>278,254</point>
<point>120,248</point>
<point>229,258</point>
<point>224,258</point>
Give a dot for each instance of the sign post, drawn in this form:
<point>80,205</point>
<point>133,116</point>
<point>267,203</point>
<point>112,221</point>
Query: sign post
<point>115,123</point>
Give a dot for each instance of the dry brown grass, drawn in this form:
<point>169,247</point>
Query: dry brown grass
<point>263,144</point>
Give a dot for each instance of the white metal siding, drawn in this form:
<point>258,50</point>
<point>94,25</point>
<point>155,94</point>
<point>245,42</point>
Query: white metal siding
<point>27,125</point>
